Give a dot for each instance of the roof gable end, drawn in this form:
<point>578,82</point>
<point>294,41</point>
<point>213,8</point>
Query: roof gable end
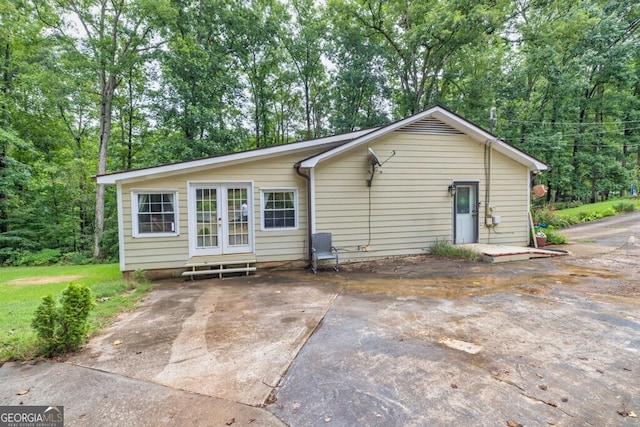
<point>430,125</point>
<point>435,120</point>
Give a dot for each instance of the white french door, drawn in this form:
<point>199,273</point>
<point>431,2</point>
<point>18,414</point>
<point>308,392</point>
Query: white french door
<point>220,219</point>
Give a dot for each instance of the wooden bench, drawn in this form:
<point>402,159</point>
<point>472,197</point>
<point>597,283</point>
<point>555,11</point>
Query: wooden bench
<point>219,267</point>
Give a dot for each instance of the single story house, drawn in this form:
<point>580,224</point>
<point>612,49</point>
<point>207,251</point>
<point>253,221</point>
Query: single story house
<point>383,192</point>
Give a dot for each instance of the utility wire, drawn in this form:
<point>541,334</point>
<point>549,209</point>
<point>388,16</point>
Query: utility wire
<point>570,123</point>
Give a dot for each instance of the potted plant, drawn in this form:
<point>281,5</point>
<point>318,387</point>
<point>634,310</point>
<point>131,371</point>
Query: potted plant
<point>540,236</point>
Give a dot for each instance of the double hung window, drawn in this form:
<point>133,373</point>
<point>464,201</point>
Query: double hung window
<point>154,213</point>
<point>279,209</point>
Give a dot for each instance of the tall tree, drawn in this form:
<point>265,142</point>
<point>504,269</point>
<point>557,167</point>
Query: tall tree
<point>303,38</point>
<point>571,62</point>
<point>251,32</point>
<point>421,38</point>
<point>197,108</point>
<point>360,90</point>
<point>111,36</point>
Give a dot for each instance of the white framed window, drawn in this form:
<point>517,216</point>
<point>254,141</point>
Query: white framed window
<point>155,213</point>
<point>279,209</point>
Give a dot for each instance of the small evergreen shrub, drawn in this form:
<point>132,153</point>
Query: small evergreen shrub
<point>63,327</point>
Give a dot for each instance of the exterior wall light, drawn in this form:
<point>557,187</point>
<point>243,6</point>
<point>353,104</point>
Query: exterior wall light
<point>452,190</point>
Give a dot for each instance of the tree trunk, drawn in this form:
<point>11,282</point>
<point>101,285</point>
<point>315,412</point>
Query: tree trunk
<point>106,100</point>
<point>129,160</point>
<point>6,78</point>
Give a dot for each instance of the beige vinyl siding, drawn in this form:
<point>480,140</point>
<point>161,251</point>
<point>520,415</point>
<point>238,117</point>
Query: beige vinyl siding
<point>509,195</point>
<point>153,252</point>
<point>410,205</point>
<point>173,252</point>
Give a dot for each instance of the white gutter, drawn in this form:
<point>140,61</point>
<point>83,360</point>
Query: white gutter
<point>120,227</point>
<point>312,199</point>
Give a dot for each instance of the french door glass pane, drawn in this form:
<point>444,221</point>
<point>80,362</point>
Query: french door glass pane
<point>238,216</point>
<point>206,218</point>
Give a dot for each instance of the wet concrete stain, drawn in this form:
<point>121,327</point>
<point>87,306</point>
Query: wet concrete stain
<point>551,341</point>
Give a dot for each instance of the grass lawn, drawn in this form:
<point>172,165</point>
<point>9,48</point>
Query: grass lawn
<point>22,290</point>
<point>559,219</point>
<point>600,209</point>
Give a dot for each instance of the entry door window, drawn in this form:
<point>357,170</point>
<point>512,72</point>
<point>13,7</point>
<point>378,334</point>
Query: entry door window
<point>463,198</point>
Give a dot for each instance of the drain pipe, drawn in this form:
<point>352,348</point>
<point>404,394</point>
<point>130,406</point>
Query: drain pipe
<point>307,178</point>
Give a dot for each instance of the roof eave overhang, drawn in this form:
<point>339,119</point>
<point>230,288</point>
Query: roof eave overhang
<point>226,160</point>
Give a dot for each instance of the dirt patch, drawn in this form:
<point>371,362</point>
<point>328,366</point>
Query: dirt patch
<point>44,280</point>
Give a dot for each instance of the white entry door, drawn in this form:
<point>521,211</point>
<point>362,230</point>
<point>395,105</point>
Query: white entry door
<point>220,219</point>
<point>466,213</point>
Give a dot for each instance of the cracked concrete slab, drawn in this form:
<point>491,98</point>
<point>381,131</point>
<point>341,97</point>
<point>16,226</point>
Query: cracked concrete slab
<point>223,339</point>
<point>540,360</point>
<point>93,398</point>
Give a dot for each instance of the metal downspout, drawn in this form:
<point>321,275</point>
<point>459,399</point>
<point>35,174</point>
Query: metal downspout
<point>308,179</point>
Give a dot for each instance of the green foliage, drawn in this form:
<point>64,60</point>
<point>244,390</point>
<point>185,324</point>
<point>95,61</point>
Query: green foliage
<point>42,257</point>
<point>187,82</point>
<point>139,276</point>
<point>549,217</point>
<point>19,301</point>
<point>587,216</point>
<point>445,249</point>
<point>63,327</point>
<point>562,218</point>
<point>624,207</point>
<point>554,237</point>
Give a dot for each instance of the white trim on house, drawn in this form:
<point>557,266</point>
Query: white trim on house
<point>335,144</point>
<point>229,159</point>
<point>121,246</point>
<point>312,200</point>
<point>445,116</point>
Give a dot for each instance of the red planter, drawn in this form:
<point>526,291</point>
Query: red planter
<point>541,241</point>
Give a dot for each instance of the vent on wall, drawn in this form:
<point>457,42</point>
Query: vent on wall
<point>431,126</point>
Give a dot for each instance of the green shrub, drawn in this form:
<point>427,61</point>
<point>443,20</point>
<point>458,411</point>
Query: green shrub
<point>624,207</point>
<point>585,216</point>
<point>63,327</point>
<point>549,217</point>
<point>42,257</point>
<point>139,276</point>
<point>445,249</point>
<point>555,238</point>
